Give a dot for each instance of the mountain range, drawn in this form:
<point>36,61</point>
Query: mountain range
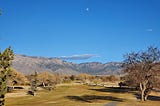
<point>28,64</point>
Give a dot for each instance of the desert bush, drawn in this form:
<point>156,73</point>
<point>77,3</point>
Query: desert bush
<point>111,78</point>
<point>47,79</point>
<point>18,78</point>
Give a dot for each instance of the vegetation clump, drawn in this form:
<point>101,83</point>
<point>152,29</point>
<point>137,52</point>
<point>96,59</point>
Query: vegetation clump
<point>33,84</point>
<point>6,58</point>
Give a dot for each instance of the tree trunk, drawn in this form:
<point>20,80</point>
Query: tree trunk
<point>43,84</point>
<point>143,89</point>
<point>145,97</point>
<point>147,92</point>
<point>142,95</point>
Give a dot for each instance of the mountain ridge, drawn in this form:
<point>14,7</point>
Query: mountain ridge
<point>28,64</point>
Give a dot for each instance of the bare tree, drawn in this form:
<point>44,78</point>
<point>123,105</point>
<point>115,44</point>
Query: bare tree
<point>141,71</point>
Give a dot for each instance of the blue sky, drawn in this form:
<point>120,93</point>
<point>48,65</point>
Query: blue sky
<point>79,30</point>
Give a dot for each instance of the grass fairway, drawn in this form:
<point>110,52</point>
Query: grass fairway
<point>78,95</point>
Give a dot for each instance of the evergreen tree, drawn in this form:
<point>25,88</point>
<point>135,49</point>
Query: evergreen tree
<point>34,82</point>
<point>6,58</point>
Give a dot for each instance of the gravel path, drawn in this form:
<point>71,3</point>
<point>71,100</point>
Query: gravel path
<point>111,104</point>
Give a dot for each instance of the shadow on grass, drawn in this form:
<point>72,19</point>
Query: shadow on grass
<point>126,90</point>
<point>92,98</point>
<point>114,90</point>
<point>150,97</point>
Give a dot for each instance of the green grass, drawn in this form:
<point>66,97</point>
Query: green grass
<point>79,95</point>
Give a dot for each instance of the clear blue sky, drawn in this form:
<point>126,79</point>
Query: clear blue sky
<point>79,30</point>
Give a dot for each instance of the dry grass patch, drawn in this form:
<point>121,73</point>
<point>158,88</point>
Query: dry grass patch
<point>60,97</point>
<point>79,95</point>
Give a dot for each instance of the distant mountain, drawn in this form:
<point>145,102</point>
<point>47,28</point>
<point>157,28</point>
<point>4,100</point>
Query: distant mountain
<point>28,64</point>
<point>98,68</point>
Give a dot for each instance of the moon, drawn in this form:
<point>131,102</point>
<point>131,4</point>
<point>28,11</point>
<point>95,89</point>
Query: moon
<point>87,9</point>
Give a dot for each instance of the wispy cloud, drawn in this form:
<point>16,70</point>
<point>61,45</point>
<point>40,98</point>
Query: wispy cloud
<point>79,57</point>
<point>149,30</point>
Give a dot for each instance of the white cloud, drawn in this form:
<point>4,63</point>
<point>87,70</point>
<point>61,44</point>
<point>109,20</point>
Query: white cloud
<point>79,57</point>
